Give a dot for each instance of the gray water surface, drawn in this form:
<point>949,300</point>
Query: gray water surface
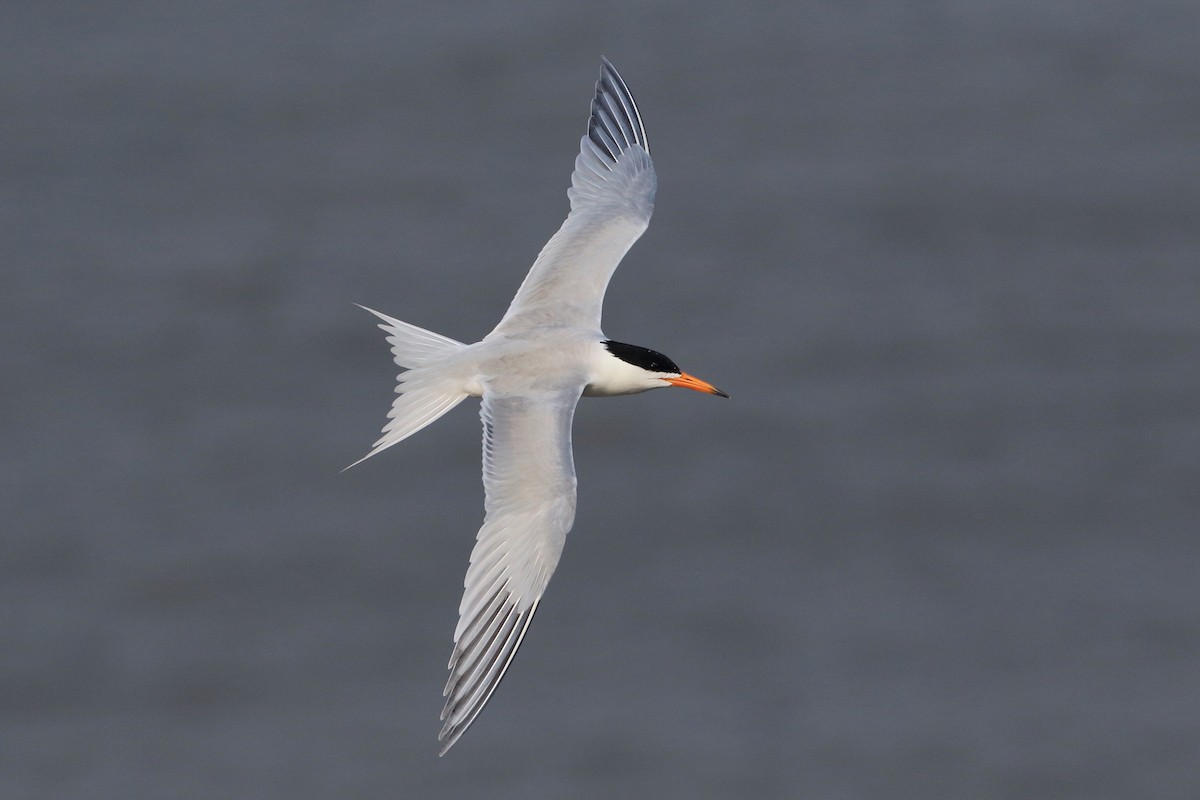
<point>941,543</point>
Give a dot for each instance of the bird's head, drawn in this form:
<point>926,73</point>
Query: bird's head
<point>628,369</point>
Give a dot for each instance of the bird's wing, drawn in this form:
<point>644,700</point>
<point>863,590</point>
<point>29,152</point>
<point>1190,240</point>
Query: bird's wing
<point>612,197</point>
<point>529,478</point>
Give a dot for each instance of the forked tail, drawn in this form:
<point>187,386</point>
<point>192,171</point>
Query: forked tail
<point>424,392</point>
<point>412,346</point>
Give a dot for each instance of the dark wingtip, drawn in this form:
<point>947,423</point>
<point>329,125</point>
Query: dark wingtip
<point>615,123</point>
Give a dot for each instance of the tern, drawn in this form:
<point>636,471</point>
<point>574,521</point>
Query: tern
<point>530,372</point>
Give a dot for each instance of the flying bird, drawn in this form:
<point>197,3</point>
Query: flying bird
<point>530,372</point>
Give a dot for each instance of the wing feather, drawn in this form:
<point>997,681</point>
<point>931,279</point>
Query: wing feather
<point>612,198</point>
<point>529,478</point>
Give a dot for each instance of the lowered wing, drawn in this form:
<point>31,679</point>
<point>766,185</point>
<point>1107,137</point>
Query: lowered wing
<point>529,477</point>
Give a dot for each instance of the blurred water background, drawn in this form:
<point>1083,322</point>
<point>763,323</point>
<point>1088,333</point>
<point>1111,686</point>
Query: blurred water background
<point>941,543</point>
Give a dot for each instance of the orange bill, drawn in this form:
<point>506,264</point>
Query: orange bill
<point>692,382</point>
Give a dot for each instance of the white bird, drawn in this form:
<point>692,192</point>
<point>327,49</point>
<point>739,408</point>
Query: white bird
<point>530,371</point>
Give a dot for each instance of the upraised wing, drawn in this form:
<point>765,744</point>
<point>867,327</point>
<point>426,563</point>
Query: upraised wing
<point>529,477</point>
<point>612,197</point>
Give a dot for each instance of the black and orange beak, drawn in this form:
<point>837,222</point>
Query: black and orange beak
<point>692,382</point>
